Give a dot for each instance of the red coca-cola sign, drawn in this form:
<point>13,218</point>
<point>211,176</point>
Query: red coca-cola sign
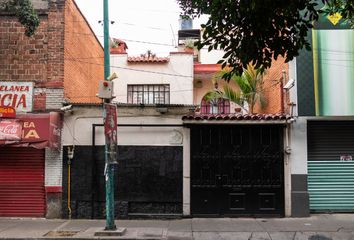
<point>7,112</point>
<point>10,129</point>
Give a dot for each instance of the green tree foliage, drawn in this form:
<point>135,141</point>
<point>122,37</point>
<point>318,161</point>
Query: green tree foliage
<point>25,12</point>
<point>249,88</point>
<point>344,7</point>
<point>259,30</point>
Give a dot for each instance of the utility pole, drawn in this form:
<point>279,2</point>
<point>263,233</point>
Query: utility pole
<point>109,167</point>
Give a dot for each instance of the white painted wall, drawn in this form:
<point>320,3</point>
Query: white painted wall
<point>186,173</point>
<point>298,130</point>
<point>53,167</point>
<point>211,57</point>
<point>77,129</point>
<point>178,72</point>
<point>298,144</point>
<point>293,91</point>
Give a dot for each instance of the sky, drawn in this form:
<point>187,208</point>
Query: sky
<point>143,25</point>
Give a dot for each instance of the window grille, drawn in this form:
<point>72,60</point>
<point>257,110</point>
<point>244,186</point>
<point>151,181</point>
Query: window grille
<point>149,94</point>
<point>215,106</point>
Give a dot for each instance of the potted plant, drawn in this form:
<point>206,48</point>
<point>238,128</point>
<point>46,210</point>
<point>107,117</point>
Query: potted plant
<point>118,46</point>
<point>189,45</point>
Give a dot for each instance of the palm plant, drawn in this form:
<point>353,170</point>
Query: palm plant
<point>250,88</point>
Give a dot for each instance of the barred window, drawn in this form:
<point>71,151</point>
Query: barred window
<point>149,94</point>
<point>215,106</point>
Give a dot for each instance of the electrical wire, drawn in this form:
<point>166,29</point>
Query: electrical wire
<point>266,89</point>
<point>122,95</point>
<point>128,40</point>
<point>132,69</point>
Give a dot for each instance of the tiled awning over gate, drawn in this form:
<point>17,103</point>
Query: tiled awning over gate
<point>237,118</point>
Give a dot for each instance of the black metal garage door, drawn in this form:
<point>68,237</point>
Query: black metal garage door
<point>237,170</point>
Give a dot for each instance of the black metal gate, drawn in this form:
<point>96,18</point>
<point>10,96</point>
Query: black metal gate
<point>237,170</point>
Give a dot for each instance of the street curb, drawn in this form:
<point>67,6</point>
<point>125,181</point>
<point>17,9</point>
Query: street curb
<point>83,238</point>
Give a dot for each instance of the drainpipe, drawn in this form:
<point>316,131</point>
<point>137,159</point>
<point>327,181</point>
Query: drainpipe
<point>287,172</point>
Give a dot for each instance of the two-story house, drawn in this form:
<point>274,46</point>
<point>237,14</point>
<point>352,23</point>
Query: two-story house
<point>174,157</point>
<point>152,94</point>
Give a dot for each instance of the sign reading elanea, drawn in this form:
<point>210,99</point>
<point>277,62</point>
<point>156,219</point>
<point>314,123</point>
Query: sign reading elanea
<point>18,95</point>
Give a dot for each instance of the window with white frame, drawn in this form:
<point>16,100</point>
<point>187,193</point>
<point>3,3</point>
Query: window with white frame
<point>149,94</point>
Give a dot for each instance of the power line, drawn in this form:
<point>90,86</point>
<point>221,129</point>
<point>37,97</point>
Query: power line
<point>147,71</point>
<point>113,21</point>
<point>149,27</point>
<point>132,69</point>
<point>74,58</point>
<point>152,10</point>
<point>266,89</point>
<point>128,40</point>
<point>153,43</point>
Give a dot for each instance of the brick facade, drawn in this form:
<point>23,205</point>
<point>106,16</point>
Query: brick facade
<point>62,53</point>
<point>63,66</point>
<point>273,88</point>
<point>83,58</point>
<point>38,59</point>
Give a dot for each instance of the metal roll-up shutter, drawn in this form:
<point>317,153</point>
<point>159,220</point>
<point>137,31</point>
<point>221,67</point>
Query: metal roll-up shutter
<point>22,192</point>
<point>331,166</point>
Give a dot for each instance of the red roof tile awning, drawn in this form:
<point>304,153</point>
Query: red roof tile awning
<point>239,118</point>
<point>145,59</point>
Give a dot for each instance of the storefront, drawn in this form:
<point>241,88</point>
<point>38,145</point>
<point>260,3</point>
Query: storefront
<point>331,166</point>
<point>25,142</point>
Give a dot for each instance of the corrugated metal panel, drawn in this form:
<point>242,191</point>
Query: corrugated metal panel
<point>328,140</point>
<point>22,192</point>
<point>331,181</point>
<point>331,186</point>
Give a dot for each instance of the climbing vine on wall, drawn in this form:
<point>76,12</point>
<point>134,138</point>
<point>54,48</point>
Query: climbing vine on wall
<point>25,12</point>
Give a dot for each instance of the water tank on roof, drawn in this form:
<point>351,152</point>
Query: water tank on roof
<point>185,23</point>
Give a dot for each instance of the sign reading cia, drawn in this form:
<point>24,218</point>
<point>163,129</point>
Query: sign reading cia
<point>18,95</point>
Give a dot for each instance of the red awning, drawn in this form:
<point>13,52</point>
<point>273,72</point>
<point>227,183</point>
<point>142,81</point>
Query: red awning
<point>38,131</point>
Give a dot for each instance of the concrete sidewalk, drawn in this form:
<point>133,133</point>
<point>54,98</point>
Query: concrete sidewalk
<point>316,227</point>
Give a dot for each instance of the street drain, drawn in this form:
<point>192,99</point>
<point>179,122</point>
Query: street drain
<point>60,233</point>
<point>319,237</point>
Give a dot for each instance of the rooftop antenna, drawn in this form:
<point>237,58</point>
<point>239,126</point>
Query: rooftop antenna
<point>174,38</point>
